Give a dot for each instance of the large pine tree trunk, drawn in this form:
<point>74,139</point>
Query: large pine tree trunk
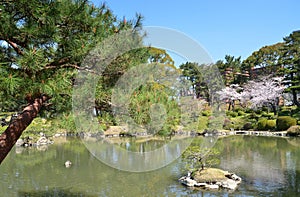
<point>14,130</point>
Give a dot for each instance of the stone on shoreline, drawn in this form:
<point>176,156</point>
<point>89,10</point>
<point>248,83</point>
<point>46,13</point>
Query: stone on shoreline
<point>20,142</point>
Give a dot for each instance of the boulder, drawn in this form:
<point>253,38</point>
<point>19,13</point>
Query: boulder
<point>42,141</point>
<point>212,186</point>
<point>230,184</point>
<point>68,164</point>
<point>20,142</point>
<point>187,181</point>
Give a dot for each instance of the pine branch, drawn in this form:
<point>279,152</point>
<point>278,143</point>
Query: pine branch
<point>14,46</point>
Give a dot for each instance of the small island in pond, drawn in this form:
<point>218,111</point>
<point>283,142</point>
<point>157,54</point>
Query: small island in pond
<point>211,178</point>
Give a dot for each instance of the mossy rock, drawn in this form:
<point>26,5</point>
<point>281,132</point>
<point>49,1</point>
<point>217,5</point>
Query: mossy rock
<point>210,175</point>
<point>247,126</point>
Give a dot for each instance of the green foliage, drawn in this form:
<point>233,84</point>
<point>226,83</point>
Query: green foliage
<point>232,113</point>
<point>247,126</point>
<point>238,123</point>
<point>271,125</point>
<point>284,113</point>
<point>197,158</point>
<point>266,59</point>
<point>206,113</point>
<point>202,123</point>
<point>45,43</point>
<point>192,72</point>
<point>262,124</point>
<point>285,122</point>
<point>227,124</point>
<point>65,122</point>
<point>291,68</point>
<point>141,106</point>
<point>241,113</point>
<point>268,115</point>
<point>231,70</point>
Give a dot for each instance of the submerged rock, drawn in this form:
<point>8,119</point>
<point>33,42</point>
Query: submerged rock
<point>212,178</point>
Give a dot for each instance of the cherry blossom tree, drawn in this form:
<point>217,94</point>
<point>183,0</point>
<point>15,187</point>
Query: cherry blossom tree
<point>264,92</point>
<point>259,93</point>
<point>230,94</point>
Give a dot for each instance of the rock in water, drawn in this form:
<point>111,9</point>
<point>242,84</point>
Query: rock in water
<point>187,181</point>
<point>20,142</point>
<point>42,141</point>
<point>68,164</point>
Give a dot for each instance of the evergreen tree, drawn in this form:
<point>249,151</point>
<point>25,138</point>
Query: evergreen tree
<point>291,63</point>
<point>42,44</point>
<point>194,73</point>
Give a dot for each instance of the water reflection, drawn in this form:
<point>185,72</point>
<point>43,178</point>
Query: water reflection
<point>135,156</point>
<point>53,192</point>
<point>268,166</point>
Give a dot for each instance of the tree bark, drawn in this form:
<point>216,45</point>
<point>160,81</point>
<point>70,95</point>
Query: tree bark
<point>14,130</point>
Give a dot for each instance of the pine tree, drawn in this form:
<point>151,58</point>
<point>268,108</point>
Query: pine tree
<point>291,62</point>
<point>42,44</point>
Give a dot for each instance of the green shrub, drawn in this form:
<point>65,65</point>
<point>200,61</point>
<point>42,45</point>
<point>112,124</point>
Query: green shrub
<point>259,111</point>
<point>284,113</point>
<point>253,116</point>
<point>268,115</point>
<point>215,122</point>
<point>249,110</point>
<point>206,113</point>
<point>241,113</point>
<point>271,125</point>
<point>227,124</point>
<point>202,123</point>
<point>262,124</point>
<point>285,122</point>
<point>238,123</point>
<point>294,131</point>
<point>232,113</point>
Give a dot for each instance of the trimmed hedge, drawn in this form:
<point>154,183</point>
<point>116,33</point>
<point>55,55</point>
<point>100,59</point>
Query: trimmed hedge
<point>285,122</point>
<point>232,114</point>
<point>262,124</point>
<point>271,125</point>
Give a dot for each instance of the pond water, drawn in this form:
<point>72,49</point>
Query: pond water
<point>269,166</point>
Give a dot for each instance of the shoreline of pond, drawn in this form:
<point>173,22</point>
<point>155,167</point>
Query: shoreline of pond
<point>47,140</point>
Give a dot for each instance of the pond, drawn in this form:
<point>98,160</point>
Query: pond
<point>269,166</point>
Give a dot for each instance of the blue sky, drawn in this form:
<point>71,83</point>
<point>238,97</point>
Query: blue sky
<point>222,27</point>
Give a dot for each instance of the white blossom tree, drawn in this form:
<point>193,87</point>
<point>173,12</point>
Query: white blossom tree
<point>260,93</point>
<point>230,95</point>
<point>264,92</point>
